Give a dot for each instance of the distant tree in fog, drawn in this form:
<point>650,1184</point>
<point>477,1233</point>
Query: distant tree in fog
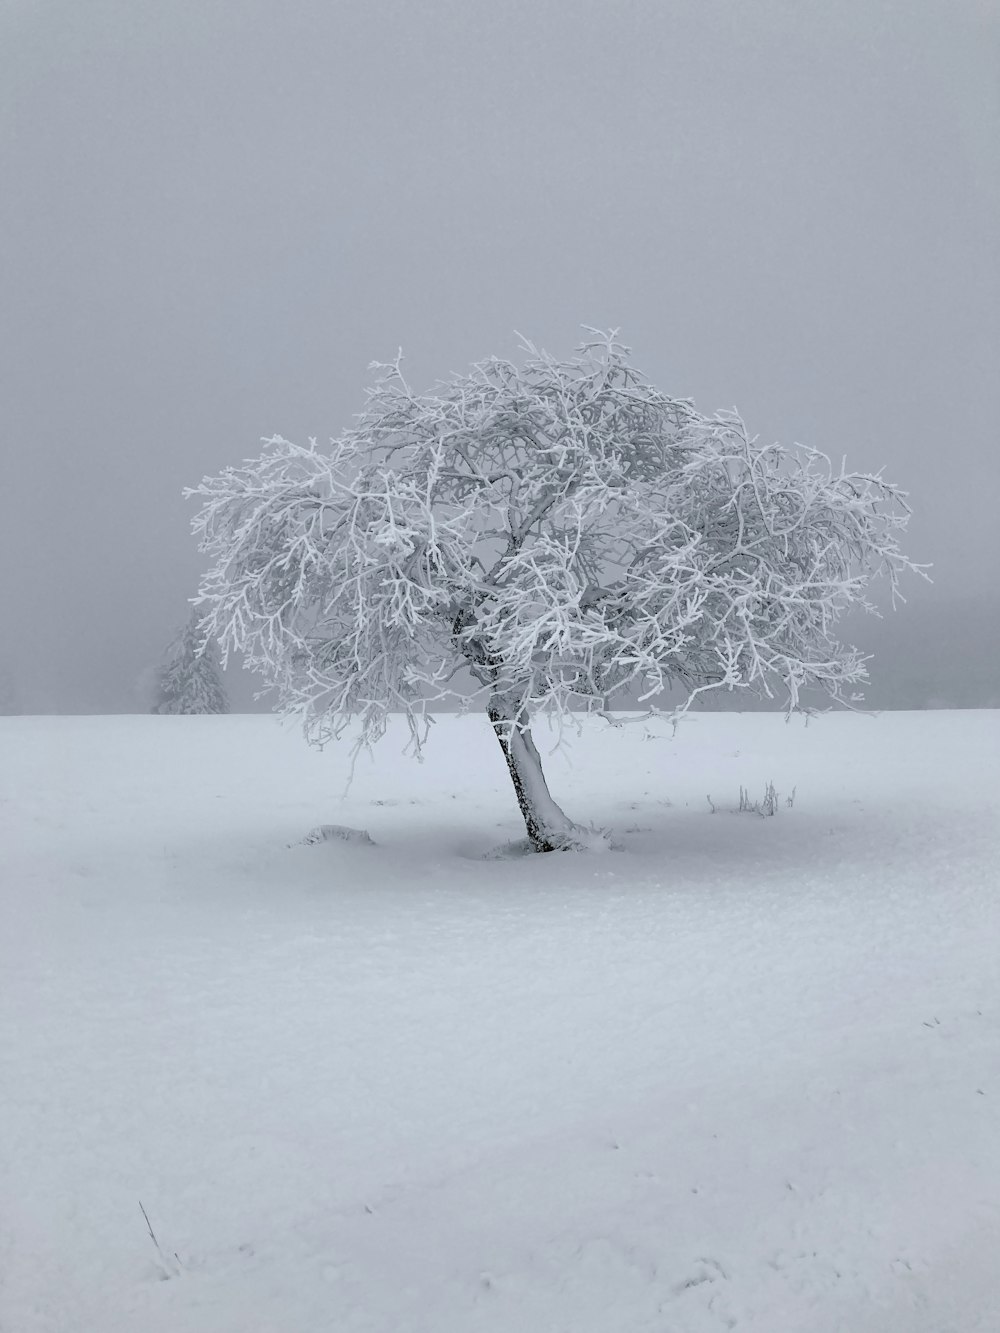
<point>10,699</point>
<point>189,681</point>
<point>563,532</point>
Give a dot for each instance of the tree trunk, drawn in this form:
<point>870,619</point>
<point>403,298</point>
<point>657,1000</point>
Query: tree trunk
<point>549,829</point>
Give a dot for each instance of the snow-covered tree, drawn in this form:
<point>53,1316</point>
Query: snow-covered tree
<point>189,680</point>
<point>559,528</point>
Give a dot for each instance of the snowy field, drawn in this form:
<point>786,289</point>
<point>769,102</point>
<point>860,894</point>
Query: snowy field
<point>742,1073</point>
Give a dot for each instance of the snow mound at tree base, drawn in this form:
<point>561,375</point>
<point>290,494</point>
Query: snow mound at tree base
<point>578,839</point>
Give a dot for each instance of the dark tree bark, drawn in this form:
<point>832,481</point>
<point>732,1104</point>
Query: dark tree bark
<point>549,828</point>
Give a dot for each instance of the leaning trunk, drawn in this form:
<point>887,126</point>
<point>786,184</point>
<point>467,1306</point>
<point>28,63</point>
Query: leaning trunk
<point>549,829</point>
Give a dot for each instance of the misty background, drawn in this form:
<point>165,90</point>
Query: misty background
<point>215,213</point>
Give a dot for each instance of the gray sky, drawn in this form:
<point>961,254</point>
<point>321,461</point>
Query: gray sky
<point>215,213</point>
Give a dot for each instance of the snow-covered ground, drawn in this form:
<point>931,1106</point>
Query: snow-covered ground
<point>742,1073</point>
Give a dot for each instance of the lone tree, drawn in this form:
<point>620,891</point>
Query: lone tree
<point>189,680</point>
<point>560,528</point>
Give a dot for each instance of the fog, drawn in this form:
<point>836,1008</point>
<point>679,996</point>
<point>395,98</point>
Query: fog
<point>214,215</point>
